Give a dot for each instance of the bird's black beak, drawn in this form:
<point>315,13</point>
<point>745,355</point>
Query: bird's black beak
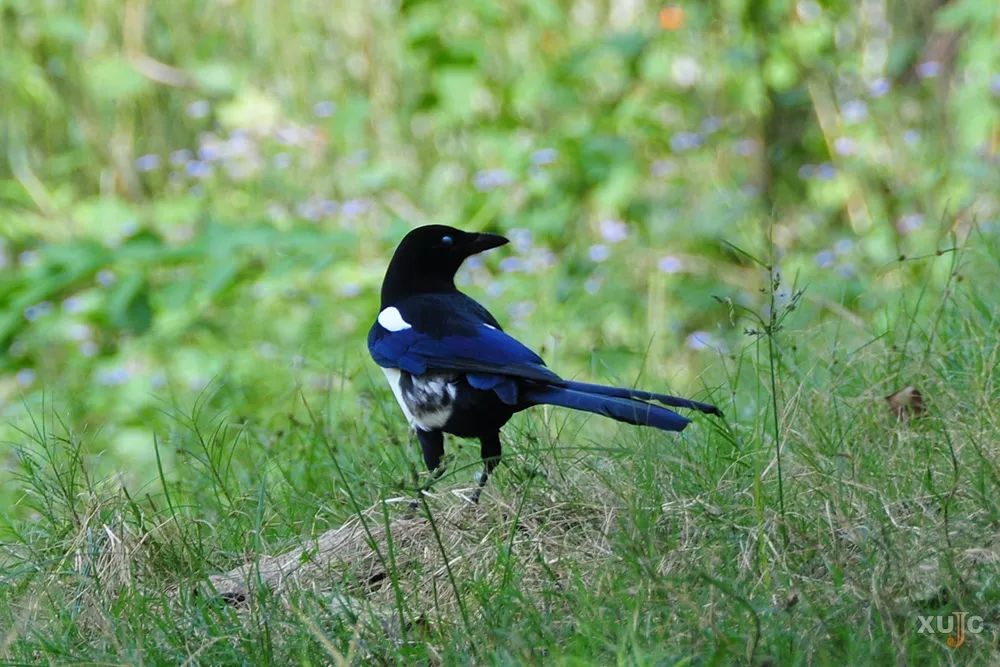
<point>483,241</point>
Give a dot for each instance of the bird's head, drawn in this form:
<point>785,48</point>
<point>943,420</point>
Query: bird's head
<point>428,257</point>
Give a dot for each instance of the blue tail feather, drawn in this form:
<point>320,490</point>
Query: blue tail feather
<point>620,408</point>
<point>665,399</point>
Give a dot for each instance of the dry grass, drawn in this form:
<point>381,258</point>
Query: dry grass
<point>424,549</point>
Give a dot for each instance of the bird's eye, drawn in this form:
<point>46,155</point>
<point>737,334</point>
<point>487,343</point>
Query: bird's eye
<point>447,241</point>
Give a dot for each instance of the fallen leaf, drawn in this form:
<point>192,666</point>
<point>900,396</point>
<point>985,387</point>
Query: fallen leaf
<point>672,18</point>
<point>907,402</point>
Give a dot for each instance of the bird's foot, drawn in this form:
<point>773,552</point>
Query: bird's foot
<point>481,478</point>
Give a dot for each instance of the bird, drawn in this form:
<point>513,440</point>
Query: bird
<point>453,369</point>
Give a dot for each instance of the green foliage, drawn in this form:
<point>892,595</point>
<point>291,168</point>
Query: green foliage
<point>787,207</point>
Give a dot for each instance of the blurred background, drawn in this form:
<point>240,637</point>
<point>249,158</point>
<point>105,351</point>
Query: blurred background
<point>198,199</point>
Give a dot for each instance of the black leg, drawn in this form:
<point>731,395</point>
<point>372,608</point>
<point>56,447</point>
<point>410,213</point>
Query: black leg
<point>432,442</point>
<point>489,450</point>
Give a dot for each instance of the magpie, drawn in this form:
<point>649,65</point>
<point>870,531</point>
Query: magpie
<point>453,369</point>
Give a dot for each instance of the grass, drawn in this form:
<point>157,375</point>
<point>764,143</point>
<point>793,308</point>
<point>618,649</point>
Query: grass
<point>786,208</point>
<point>595,543</point>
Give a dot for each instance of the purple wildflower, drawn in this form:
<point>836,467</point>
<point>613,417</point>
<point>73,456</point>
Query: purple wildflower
<point>854,111</point>
<point>324,109</point>
<point>928,69</point>
<point>825,259</point>
<point>26,377</point>
<point>685,141</point>
<point>491,179</point>
<point>670,264</point>
<point>613,231</point>
<point>147,162</point>
<point>544,156</point>
<point>909,223</point>
<point>879,87</point>
<point>598,252</point>
<point>845,146</point>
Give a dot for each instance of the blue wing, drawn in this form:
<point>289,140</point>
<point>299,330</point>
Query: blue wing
<point>457,335</point>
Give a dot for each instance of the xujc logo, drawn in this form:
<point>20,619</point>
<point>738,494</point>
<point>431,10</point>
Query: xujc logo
<point>956,626</point>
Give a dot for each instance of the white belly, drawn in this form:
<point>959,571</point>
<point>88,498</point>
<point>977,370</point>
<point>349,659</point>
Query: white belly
<point>422,405</point>
<point>392,375</point>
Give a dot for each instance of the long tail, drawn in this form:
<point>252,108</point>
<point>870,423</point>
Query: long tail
<point>621,408</point>
<point>665,399</point>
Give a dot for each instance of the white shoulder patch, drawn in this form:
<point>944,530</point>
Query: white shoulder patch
<point>489,326</point>
<point>392,320</point>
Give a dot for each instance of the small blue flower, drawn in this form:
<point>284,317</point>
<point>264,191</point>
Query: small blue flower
<point>349,290</point>
<point>491,179</point>
<point>158,380</point>
<point>879,87</point>
<point>240,143</point>
<point>613,231</point>
<point>327,207</point>
<point>745,147</point>
<point>147,162</point>
<point>598,252</point>
<point>663,168</point>
<point>826,172</point>
<point>522,239</point>
<point>324,109</point>
<point>845,146</point>
<point>106,277</point>
<point>701,340</point>
<point>843,246</point>
<point>73,304</point>
<point>669,264</point>
<point>511,264</point>
<point>911,137</point>
<point>909,223</point>
<point>209,150</point>
<point>825,259</point>
<point>308,210</point>
<point>854,111</point>
<point>198,169</point>
<point>685,141</point>
<point>39,310</point>
<point>112,377</point>
<point>995,85</point>
<point>928,69</point>
<point>28,258</point>
<point>26,377</point>
<point>710,125</point>
<point>846,270</point>
<point>544,156</point>
<point>353,208</point>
